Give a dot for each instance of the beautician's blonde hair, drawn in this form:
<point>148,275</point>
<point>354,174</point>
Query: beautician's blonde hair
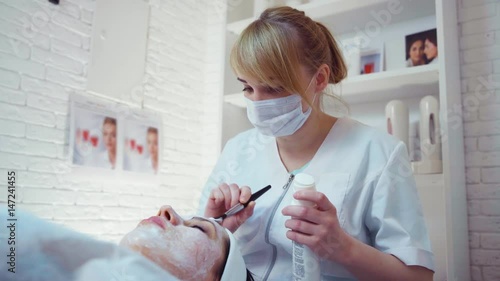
<point>273,47</point>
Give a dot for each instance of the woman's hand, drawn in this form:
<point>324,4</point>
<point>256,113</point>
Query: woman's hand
<point>317,227</point>
<point>223,198</point>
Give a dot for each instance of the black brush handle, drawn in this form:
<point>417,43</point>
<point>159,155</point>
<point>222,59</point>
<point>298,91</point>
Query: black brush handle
<point>257,194</point>
<point>238,207</point>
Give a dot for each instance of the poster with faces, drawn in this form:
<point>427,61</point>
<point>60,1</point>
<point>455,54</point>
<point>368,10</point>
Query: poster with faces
<point>108,136</point>
<point>141,145</point>
<point>93,135</point>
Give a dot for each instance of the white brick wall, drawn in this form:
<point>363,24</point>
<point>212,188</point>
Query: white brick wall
<point>480,71</point>
<point>44,55</point>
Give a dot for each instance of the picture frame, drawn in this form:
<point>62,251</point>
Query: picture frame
<point>142,142</point>
<point>371,60</point>
<point>94,131</point>
<point>421,48</point>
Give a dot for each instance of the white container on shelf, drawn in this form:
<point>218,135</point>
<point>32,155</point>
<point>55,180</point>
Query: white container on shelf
<point>430,138</point>
<point>414,142</point>
<point>398,120</point>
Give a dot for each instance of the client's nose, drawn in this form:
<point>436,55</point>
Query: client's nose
<point>168,212</point>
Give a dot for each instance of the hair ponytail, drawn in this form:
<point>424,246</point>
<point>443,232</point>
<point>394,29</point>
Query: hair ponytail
<point>338,68</point>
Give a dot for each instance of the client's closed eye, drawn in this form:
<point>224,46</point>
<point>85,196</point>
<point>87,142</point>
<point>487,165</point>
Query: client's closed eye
<point>198,227</point>
<point>206,226</point>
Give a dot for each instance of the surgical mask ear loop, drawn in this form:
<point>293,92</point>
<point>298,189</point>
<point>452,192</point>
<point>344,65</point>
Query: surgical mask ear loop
<point>315,94</point>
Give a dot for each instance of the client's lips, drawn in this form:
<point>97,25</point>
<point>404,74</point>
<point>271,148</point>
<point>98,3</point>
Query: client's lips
<point>157,220</point>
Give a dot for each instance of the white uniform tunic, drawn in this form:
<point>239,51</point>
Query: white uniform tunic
<point>363,171</point>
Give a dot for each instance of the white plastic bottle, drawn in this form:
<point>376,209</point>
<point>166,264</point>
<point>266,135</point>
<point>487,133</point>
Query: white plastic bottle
<point>306,266</point>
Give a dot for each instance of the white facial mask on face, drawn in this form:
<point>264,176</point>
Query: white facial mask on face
<point>182,250</point>
<point>278,117</point>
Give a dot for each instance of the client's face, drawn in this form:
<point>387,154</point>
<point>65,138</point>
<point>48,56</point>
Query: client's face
<point>193,249</point>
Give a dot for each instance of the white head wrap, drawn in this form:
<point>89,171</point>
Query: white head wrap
<point>235,268</point>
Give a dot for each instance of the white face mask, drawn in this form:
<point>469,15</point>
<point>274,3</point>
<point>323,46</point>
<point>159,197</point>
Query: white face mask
<point>278,117</point>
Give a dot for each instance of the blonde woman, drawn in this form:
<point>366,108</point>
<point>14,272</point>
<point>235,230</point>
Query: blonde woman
<point>367,222</point>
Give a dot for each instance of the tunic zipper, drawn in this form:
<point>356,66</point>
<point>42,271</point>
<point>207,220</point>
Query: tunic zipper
<point>266,237</point>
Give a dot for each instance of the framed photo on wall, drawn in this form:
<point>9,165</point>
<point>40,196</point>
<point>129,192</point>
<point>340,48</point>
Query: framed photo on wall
<point>421,48</point>
<point>93,134</point>
<point>142,141</point>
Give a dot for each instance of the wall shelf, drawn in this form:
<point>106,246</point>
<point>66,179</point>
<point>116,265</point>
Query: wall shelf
<point>337,14</point>
<point>382,86</point>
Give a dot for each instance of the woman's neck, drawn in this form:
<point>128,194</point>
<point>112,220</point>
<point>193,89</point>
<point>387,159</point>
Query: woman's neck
<point>296,150</point>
